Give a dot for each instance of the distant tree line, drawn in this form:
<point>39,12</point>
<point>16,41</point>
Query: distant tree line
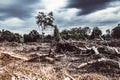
<point>33,36</point>
<point>87,33</point>
<point>6,35</point>
<point>74,34</point>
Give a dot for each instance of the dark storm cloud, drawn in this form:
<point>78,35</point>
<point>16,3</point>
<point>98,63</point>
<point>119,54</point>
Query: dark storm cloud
<point>89,6</point>
<point>28,1</point>
<point>19,12</point>
<point>19,15</point>
<point>21,9</point>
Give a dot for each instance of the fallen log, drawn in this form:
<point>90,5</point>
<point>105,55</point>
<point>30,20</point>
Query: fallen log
<point>23,56</point>
<point>15,55</point>
<point>117,63</point>
<point>51,60</point>
<point>69,77</point>
<point>112,50</point>
<point>108,49</point>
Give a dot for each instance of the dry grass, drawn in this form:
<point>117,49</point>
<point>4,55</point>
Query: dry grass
<point>26,74</point>
<point>92,77</point>
<point>29,71</point>
<point>37,71</point>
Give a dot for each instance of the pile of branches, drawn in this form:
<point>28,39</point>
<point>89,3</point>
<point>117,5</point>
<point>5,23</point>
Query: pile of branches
<point>103,59</point>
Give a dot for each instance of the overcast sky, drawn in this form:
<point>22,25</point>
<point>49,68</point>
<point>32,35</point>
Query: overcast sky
<point>19,15</point>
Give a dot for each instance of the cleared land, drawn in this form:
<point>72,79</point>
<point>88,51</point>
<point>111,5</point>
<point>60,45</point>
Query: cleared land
<point>70,60</point>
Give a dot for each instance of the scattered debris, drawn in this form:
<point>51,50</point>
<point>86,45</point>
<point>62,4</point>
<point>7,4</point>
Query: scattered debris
<point>83,57</point>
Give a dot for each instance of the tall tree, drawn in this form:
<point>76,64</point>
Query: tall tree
<point>47,20</point>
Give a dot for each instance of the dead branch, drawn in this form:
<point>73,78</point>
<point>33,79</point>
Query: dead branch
<point>23,56</point>
<point>69,77</point>
<point>112,50</point>
<point>99,60</point>
<point>12,54</point>
<point>95,50</point>
<point>51,60</point>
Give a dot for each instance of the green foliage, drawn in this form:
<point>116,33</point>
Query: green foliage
<point>76,33</point>
<point>107,36</point>
<point>44,20</point>
<point>27,38</point>
<point>116,32</point>
<point>18,38</point>
<point>96,33</point>
<point>33,36</point>
<point>65,34</point>
<point>9,36</point>
<point>48,38</point>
